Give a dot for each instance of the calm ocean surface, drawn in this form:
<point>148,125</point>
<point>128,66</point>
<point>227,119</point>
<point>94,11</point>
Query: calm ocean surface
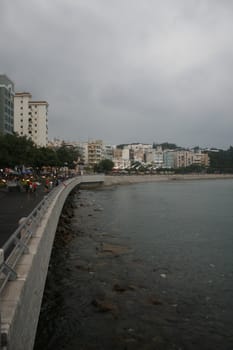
<point>149,266</point>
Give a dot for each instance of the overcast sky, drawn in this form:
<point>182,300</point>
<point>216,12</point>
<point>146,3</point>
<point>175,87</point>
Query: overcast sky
<point>125,70</point>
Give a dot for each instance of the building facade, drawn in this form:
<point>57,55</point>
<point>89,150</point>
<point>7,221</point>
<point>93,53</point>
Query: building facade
<point>6,105</point>
<point>121,158</point>
<point>95,152</point>
<point>169,159</point>
<point>31,118</point>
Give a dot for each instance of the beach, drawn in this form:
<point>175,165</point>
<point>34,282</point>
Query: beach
<point>133,179</point>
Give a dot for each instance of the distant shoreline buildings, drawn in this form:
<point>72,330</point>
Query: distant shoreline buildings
<point>27,117</point>
<point>135,155</point>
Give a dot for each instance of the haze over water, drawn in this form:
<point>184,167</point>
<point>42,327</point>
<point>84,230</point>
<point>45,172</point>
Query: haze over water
<point>171,285</point>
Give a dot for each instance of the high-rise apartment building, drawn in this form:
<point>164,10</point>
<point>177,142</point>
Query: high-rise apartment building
<point>95,152</point>
<point>6,105</point>
<point>31,118</point>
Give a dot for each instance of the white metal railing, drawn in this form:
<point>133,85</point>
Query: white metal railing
<point>17,244</point>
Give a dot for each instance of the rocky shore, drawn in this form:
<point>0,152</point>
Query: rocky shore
<point>133,179</point>
<point>104,293</point>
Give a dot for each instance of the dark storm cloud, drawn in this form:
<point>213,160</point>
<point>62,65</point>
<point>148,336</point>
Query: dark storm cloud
<point>125,70</point>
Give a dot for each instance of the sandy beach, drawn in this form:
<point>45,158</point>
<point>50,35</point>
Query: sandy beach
<point>133,179</point>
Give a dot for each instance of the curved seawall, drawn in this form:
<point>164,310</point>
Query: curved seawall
<point>21,299</point>
<point>132,179</point>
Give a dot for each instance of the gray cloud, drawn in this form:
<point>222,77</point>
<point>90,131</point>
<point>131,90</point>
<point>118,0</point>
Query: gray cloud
<point>126,70</point>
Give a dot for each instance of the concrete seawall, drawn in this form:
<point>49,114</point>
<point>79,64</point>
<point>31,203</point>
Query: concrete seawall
<point>21,299</point>
<point>133,179</point>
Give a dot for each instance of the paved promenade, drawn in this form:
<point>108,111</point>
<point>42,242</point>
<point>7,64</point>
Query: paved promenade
<point>13,206</point>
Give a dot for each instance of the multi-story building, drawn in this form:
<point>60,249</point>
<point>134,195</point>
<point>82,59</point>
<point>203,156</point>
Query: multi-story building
<point>187,158</point>
<point>121,158</point>
<point>31,118</point>
<point>108,152</point>
<point>6,105</point>
<point>150,155</point>
<point>139,146</point>
<point>201,159</point>
<point>169,158</point>
<point>21,113</point>
<point>95,152</point>
<point>83,151</point>
<point>158,157</point>
<point>183,159</point>
<point>139,155</point>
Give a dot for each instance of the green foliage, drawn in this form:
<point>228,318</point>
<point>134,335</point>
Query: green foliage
<point>45,157</point>
<point>104,166</point>
<point>193,168</point>
<point>15,150</point>
<point>67,156</point>
<point>121,146</point>
<point>165,145</point>
<point>221,161</point>
<point>18,150</point>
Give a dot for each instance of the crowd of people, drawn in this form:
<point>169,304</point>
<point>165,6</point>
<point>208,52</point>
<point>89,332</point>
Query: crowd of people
<point>29,183</point>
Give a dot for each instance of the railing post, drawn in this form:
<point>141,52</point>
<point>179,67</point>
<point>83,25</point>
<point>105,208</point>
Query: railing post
<point>1,257</point>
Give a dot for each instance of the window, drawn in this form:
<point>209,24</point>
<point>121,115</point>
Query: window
<point>21,107</point>
<point>21,113</point>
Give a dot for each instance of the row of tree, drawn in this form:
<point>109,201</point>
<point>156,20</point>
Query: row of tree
<point>19,150</point>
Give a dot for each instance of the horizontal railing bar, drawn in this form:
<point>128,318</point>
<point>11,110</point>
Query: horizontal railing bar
<point>17,243</point>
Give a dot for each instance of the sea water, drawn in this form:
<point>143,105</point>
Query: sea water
<point>149,266</point>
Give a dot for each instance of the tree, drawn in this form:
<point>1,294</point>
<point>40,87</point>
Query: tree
<point>221,161</point>
<point>104,166</point>
<point>45,156</point>
<point>67,155</point>
<point>165,145</point>
<point>16,150</point>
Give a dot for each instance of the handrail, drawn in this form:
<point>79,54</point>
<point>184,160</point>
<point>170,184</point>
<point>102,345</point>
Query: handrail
<point>17,244</point>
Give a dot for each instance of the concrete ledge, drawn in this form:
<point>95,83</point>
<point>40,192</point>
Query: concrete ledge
<point>21,299</point>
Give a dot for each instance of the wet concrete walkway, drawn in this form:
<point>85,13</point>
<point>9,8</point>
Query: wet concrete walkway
<point>13,206</point>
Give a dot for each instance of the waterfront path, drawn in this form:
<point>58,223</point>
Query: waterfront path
<point>14,206</point>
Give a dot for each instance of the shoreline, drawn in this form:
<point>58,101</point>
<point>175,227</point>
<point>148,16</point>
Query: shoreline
<point>134,179</point>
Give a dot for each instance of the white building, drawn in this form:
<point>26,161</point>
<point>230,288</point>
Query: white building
<point>108,152</point>
<point>121,158</point>
<point>158,157</point>
<point>150,155</point>
<point>31,118</point>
